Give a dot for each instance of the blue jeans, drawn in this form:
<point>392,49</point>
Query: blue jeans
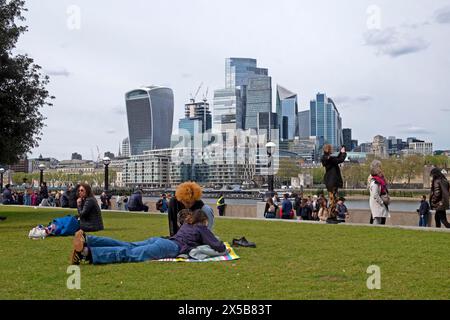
<point>106,250</point>
<point>423,219</point>
<point>27,200</point>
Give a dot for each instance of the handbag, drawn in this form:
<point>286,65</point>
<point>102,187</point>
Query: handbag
<point>386,199</point>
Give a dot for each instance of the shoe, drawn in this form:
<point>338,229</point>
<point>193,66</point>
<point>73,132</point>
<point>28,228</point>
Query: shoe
<point>2,218</point>
<point>242,242</point>
<point>76,258</point>
<point>79,241</point>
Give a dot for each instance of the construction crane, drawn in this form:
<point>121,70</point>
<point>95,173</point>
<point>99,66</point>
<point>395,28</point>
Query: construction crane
<point>195,96</point>
<point>205,96</point>
<point>99,159</point>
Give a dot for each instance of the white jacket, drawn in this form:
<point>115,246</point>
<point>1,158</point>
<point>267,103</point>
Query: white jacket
<point>377,206</point>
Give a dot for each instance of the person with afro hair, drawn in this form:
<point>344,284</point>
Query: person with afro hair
<point>187,196</point>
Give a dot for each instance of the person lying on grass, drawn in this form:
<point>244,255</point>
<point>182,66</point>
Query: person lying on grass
<point>101,250</point>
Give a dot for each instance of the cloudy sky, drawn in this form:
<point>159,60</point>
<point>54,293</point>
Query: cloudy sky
<point>385,63</point>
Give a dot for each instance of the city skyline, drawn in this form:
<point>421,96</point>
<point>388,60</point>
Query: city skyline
<point>394,76</point>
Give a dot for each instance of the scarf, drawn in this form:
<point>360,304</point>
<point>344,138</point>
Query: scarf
<point>380,180</point>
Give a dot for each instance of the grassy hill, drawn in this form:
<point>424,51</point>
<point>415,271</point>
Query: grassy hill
<point>291,261</point>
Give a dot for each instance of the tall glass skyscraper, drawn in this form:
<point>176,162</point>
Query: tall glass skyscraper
<point>227,113</point>
<point>150,117</point>
<point>259,99</point>
<point>238,71</point>
<point>304,124</point>
<point>326,122</point>
<point>287,106</point>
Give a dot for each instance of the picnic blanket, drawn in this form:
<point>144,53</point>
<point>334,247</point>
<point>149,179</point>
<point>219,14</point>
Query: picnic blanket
<point>227,257</point>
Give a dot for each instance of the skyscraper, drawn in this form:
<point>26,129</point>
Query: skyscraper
<point>230,103</point>
<point>326,122</point>
<point>259,99</point>
<point>287,106</point>
<point>227,113</point>
<point>304,124</point>
<point>347,137</point>
<point>150,116</point>
<point>239,70</point>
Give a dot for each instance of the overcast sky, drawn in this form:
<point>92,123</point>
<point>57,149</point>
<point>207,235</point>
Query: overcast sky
<point>385,63</point>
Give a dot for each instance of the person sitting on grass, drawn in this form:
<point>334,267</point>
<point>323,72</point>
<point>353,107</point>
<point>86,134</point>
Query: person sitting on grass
<point>342,211</point>
<point>187,196</point>
<point>135,202</point>
<point>100,250</point>
<point>89,212</point>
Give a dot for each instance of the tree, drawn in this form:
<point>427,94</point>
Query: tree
<point>412,166</point>
<point>392,169</point>
<point>22,89</point>
<point>287,169</point>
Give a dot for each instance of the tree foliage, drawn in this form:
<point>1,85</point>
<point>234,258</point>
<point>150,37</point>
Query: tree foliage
<point>22,89</point>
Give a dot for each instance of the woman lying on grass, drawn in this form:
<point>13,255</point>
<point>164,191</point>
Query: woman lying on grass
<point>101,250</point>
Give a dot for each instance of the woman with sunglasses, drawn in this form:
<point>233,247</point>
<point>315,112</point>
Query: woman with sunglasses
<point>89,212</point>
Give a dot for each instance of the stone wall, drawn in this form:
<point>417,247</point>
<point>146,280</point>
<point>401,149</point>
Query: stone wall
<point>356,216</point>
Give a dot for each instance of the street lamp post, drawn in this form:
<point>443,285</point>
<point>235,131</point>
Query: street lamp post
<point>2,171</point>
<point>41,177</point>
<point>270,147</point>
<point>106,162</point>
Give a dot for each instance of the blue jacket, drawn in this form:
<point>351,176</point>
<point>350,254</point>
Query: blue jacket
<point>286,206</point>
<point>424,208</point>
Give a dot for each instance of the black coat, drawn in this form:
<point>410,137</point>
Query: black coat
<point>90,215</point>
<point>439,198</point>
<point>176,206</point>
<point>333,178</point>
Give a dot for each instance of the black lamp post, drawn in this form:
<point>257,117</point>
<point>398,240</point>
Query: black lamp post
<point>106,162</point>
<point>41,178</point>
<point>270,147</point>
<point>2,171</point>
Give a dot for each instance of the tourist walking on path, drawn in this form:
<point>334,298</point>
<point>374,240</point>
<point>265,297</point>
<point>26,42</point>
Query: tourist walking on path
<point>379,195</point>
<point>333,178</point>
<point>221,205</point>
<point>424,212</point>
<point>439,197</point>
<point>187,196</point>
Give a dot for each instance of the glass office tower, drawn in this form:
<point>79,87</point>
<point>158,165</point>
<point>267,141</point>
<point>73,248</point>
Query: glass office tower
<point>287,106</point>
<point>259,99</point>
<point>150,117</point>
<point>326,122</point>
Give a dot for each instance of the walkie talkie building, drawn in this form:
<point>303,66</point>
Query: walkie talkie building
<point>150,118</point>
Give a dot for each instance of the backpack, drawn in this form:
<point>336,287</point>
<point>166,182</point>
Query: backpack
<point>159,204</point>
<point>65,226</point>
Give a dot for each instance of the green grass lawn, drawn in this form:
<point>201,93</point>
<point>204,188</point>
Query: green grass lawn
<point>291,261</point>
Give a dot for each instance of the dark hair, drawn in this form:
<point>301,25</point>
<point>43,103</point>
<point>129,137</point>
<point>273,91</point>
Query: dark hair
<point>88,189</point>
<point>197,217</point>
<point>270,201</point>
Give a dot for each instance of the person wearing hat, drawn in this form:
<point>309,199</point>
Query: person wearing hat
<point>439,197</point>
